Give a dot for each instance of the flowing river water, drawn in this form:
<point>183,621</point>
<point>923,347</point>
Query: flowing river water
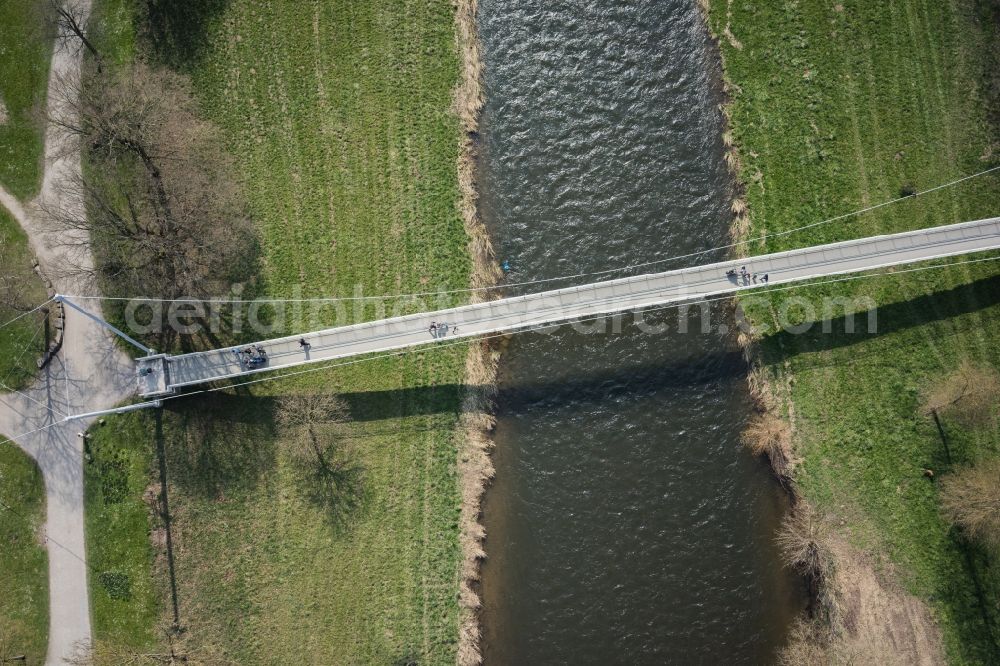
<point>626,524</point>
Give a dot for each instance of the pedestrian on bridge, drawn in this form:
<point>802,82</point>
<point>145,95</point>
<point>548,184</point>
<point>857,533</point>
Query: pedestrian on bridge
<point>433,329</point>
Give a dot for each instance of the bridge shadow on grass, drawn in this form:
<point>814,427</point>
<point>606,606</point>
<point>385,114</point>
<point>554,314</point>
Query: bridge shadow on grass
<point>220,443</point>
<point>892,318</point>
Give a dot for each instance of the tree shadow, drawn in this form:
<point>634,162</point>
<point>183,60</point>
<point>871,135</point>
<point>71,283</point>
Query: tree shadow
<point>178,32</point>
<point>222,443</point>
<point>335,487</point>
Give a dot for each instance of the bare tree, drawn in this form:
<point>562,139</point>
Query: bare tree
<point>315,424</point>
<point>316,444</point>
<point>164,211</point>
<point>803,542</point>
<point>68,21</point>
<point>969,394</point>
<point>970,498</point>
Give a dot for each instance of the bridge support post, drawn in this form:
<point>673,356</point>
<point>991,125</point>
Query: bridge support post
<point>62,299</point>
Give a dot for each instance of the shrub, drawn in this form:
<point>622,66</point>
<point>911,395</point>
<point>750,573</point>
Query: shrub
<point>969,394</point>
<point>802,540</point>
<point>769,435</point>
<point>970,498</point>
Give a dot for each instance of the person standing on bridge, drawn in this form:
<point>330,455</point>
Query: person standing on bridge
<point>304,344</point>
<point>433,329</point>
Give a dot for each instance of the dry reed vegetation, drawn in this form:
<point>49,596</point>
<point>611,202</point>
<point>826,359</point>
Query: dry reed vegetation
<point>862,617</point>
<point>769,435</point>
<point>803,542</point>
<point>970,498</point>
<point>474,465</point>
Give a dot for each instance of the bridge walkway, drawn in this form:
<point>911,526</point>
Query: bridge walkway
<point>633,293</point>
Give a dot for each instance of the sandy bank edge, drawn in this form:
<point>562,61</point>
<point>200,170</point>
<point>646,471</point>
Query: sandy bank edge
<point>475,468</point>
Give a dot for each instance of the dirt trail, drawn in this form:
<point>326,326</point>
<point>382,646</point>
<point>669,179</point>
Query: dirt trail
<point>90,373</point>
<point>880,622</point>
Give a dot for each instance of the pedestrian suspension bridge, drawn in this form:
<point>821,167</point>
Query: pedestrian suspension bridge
<point>159,375</point>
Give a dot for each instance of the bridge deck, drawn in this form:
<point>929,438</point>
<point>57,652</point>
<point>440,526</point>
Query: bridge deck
<point>592,299</point>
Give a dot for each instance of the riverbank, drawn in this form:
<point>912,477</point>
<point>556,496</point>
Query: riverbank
<point>475,467</point>
<point>349,135</point>
<point>834,108</point>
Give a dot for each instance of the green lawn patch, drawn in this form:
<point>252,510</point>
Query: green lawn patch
<point>22,342</point>
<point>340,118</point>
<point>25,51</point>
<point>24,585</point>
<point>837,106</point>
<point>24,70</point>
<point>119,469</point>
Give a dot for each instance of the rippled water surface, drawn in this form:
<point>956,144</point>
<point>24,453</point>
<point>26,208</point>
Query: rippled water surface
<point>626,525</point>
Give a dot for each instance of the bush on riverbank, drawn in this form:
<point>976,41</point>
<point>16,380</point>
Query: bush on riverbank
<point>970,498</point>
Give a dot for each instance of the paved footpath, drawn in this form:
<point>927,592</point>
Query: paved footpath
<point>581,302</point>
<point>89,373</point>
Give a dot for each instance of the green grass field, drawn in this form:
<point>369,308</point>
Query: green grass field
<point>24,71</point>
<point>840,106</point>
<point>124,594</point>
<point>339,116</point>
<point>22,342</point>
<point>24,585</point>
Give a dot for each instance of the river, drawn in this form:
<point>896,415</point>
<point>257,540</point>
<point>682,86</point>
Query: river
<point>626,524</point>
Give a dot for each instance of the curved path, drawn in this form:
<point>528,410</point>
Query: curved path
<point>89,372</point>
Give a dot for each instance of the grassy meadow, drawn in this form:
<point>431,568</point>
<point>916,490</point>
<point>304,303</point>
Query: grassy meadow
<point>340,119</point>
<point>24,585</point>
<point>24,68</point>
<point>22,342</point>
<point>24,71</point>
<point>838,106</point>
<point>124,589</point>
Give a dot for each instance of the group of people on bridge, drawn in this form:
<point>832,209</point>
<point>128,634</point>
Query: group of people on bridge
<point>252,356</point>
<point>745,276</point>
<point>441,330</point>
